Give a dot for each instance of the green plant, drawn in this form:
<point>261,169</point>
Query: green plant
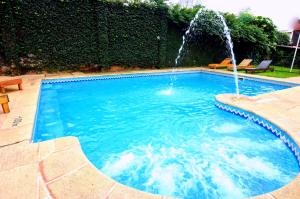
<point>66,34</point>
<point>253,37</point>
<point>279,72</point>
<point>282,38</point>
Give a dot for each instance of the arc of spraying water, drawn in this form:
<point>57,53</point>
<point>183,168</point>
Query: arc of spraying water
<point>228,41</point>
<point>186,34</point>
<point>230,45</point>
<point>184,41</point>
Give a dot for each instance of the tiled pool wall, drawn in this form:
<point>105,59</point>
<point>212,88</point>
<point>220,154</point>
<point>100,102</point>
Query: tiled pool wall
<point>109,77</point>
<point>36,113</point>
<point>272,128</point>
<point>120,76</point>
<point>87,182</point>
<point>245,114</point>
<point>243,77</point>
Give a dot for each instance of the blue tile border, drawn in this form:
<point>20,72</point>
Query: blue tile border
<point>245,114</point>
<point>33,130</point>
<point>289,84</point>
<point>109,77</point>
<point>136,75</point>
<point>282,135</point>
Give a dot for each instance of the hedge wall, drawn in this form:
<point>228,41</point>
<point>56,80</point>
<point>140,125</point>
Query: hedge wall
<point>132,35</point>
<point>68,33</point>
<point>65,34</point>
<point>8,38</point>
<point>284,57</point>
<point>199,51</point>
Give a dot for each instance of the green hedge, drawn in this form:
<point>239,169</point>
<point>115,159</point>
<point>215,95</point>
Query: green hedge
<point>8,37</point>
<point>69,33</point>
<point>284,57</point>
<point>133,35</point>
<point>199,51</point>
<point>65,34</point>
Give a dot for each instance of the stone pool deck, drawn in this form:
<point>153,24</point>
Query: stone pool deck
<point>59,169</point>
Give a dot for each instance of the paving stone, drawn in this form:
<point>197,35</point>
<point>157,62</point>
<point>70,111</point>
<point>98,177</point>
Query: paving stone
<point>264,196</point>
<point>18,155</point>
<point>15,135</point>
<point>291,191</point>
<point>124,192</point>
<point>85,183</point>
<point>65,142</point>
<point>50,146</point>
<point>20,182</point>
<point>46,148</point>
<point>60,163</point>
<point>43,192</point>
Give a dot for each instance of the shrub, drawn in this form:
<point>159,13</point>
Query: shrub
<point>66,34</point>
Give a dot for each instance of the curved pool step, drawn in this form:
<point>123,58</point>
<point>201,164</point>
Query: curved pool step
<point>259,106</point>
<point>65,172</point>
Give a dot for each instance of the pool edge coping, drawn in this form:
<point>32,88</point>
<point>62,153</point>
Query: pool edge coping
<point>196,69</point>
<point>285,137</point>
<point>278,81</point>
<point>145,74</point>
<point>285,191</point>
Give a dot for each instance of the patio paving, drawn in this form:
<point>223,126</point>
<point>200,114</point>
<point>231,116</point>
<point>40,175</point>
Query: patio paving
<point>59,169</point>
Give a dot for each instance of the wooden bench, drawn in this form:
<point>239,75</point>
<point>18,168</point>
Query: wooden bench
<point>10,82</point>
<point>4,103</point>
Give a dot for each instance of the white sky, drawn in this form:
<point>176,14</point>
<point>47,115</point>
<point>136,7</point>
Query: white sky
<point>282,12</point>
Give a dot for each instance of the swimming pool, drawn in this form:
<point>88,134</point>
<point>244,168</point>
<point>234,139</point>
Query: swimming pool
<point>167,139</point>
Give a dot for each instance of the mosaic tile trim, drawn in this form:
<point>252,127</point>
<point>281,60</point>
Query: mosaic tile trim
<point>241,77</point>
<point>36,115</point>
<point>108,77</point>
<point>283,136</point>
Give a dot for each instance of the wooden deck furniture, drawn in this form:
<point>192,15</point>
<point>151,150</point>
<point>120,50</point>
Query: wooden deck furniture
<point>4,103</point>
<point>262,67</point>
<point>10,82</point>
<point>225,63</point>
<point>244,64</point>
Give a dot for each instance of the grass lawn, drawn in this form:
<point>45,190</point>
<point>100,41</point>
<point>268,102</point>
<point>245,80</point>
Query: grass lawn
<point>279,71</point>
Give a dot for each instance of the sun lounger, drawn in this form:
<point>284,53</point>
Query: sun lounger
<point>262,67</point>
<point>244,64</point>
<point>10,82</point>
<point>226,62</point>
<point>4,103</point>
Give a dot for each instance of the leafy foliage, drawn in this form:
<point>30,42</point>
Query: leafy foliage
<point>69,33</point>
<point>249,40</point>
<point>181,15</point>
<point>64,34</point>
<point>282,38</point>
<point>254,37</point>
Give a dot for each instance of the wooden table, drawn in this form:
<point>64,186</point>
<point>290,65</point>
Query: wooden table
<point>10,82</point>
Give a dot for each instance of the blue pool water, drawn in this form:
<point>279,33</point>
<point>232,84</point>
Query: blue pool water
<point>168,140</point>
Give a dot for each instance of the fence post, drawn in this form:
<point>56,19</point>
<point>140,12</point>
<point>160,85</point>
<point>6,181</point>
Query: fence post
<point>296,49</point>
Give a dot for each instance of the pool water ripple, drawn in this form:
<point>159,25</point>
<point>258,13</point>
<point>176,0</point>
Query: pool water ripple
<point>168,140</point>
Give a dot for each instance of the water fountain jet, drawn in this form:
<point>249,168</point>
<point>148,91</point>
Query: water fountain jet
<point>230,46</point>
<point>226,33</point>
